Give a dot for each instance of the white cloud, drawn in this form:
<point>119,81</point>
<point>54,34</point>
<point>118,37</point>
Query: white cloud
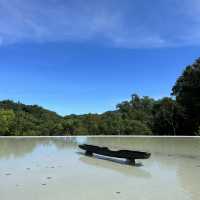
<point>127,23</point>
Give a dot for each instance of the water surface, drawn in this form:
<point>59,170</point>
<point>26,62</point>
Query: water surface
<point>55,169</point>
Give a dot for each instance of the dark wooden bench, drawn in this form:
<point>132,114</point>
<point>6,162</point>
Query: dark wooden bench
<point>130,156</point>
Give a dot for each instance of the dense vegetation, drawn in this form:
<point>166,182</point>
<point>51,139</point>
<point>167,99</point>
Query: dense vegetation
<point>176,115</point>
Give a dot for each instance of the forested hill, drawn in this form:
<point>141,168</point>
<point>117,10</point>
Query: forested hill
<point>20,119</point>
<point>179,115</point>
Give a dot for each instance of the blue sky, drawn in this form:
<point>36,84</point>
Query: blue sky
<point>80,56</point>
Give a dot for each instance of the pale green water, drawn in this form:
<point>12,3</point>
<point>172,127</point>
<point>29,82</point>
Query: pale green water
<point>53,169</point>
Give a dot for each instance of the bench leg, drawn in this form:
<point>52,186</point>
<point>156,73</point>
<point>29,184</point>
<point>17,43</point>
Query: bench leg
<point>131,161</point>
<point>88,153</point>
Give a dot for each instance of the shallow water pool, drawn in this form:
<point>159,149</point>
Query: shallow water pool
<point>55,169</point>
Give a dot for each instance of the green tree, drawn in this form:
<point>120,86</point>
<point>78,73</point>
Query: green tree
<point>187,93</point>
<point>198,131</point>
<point>111,123</point>
<point>69,126</point>
<point>139,109</point>
<point>167,117</point>
<point>135,127</point>
<point>6,121</point>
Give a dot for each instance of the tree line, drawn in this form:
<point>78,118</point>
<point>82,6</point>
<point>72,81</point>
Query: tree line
<point>175,115</point>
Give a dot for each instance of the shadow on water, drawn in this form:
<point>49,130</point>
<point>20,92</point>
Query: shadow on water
<point>117,165</point>
<point>114,160</point>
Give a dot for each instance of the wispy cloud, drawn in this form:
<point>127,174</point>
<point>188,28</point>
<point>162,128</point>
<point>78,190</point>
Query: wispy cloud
<point>127,23</point>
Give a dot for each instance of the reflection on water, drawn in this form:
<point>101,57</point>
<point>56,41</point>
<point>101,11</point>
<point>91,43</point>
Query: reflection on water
<point>19,147</point>
<point>54,168</point>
